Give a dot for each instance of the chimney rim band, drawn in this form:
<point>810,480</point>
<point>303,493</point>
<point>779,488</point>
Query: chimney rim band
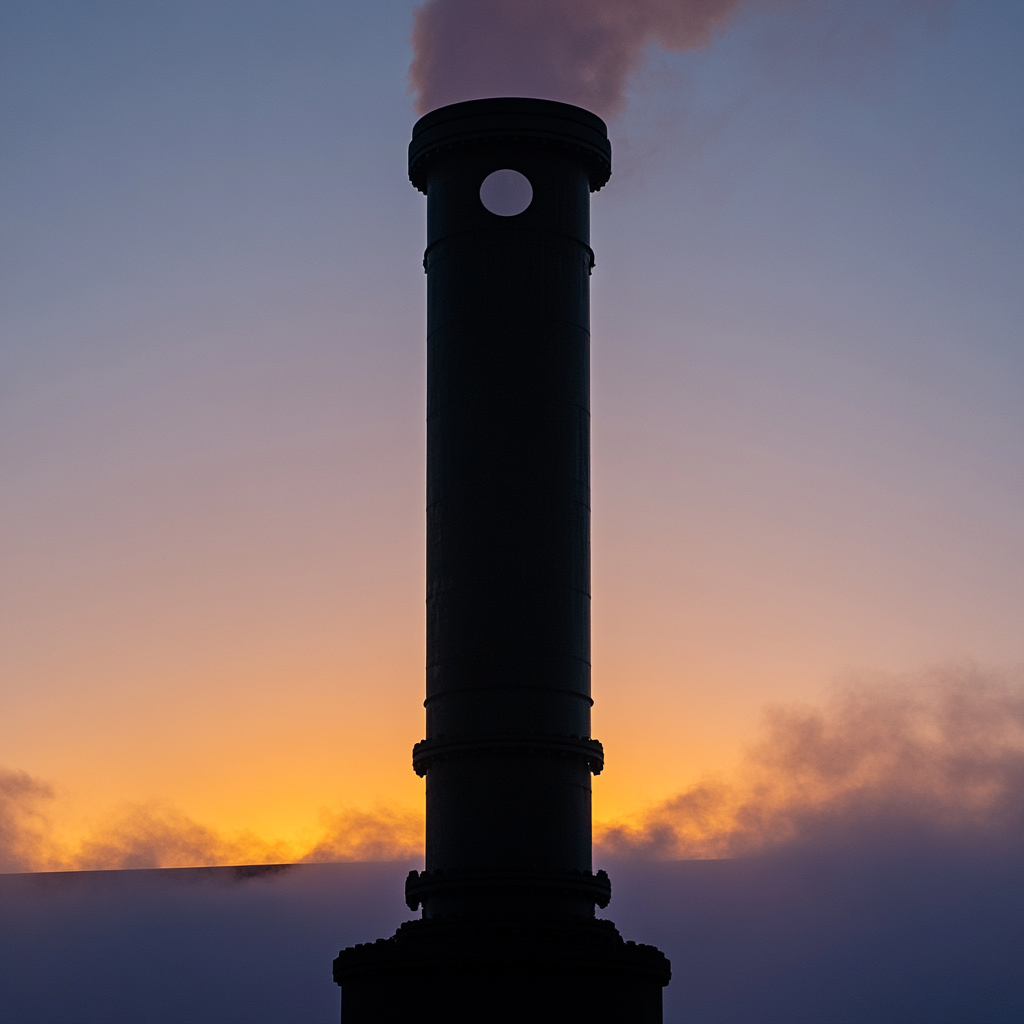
<point>522,122</point>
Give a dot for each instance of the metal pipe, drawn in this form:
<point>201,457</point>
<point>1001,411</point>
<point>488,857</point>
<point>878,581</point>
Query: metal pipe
<point>508,931</point>
<point>508,753</point>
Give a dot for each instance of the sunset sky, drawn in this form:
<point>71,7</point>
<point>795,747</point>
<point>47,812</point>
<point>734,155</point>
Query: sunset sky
<point>808,368</point>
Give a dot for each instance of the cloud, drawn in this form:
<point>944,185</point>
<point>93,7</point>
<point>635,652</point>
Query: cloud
<point>156,835</point>
<point>940,756</point>
<point>586,51</point>
<point>577,51</point>
<point>381,834</point>
<point>24,826</point>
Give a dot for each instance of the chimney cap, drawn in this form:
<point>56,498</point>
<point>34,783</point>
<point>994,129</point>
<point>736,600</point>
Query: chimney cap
<point>531,122</point>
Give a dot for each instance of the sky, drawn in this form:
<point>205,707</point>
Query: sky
<point>807,422</point>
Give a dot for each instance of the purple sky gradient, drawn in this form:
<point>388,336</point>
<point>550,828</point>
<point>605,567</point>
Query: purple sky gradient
<point>807,361</point>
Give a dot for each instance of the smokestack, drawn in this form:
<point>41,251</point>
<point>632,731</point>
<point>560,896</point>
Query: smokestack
<point>508,928</point>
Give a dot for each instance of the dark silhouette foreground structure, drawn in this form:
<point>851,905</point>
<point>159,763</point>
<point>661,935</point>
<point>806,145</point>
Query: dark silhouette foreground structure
<point>508,930</point>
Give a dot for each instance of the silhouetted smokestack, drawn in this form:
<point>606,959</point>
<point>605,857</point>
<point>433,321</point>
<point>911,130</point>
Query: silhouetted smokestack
<point>508,755</point>
<point>508,895</point>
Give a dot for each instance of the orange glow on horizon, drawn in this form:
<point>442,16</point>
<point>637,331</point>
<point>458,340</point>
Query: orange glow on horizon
<point>945,751</point>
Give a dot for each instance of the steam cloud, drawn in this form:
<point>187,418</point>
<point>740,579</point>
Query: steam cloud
<point>585,51</point>
<point>576,51</point>
<point>940,757</point>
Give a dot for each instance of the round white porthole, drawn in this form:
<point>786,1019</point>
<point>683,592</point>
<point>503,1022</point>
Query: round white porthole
<point>506,193</point>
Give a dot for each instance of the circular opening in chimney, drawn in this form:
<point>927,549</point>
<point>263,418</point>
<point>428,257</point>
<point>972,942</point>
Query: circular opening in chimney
<point>506,192</point>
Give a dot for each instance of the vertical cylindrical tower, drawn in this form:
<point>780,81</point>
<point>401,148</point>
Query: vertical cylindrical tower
<point>508,931</point>
<point>508,753</point>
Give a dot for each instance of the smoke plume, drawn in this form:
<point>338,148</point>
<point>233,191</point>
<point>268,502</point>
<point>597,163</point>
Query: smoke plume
<point>576,51</point>
<point>939,757</point>
<point>585,51</point>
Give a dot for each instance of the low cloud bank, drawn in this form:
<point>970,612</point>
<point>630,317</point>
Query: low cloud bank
<point>381,834</point>
<point>939,756</point>
<point>157,836</point>
<point>870,873</point>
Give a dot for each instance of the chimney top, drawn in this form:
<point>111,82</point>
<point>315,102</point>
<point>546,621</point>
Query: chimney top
<point>529,122</point>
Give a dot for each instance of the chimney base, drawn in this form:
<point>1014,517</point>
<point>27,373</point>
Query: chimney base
<point>465,972</point>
